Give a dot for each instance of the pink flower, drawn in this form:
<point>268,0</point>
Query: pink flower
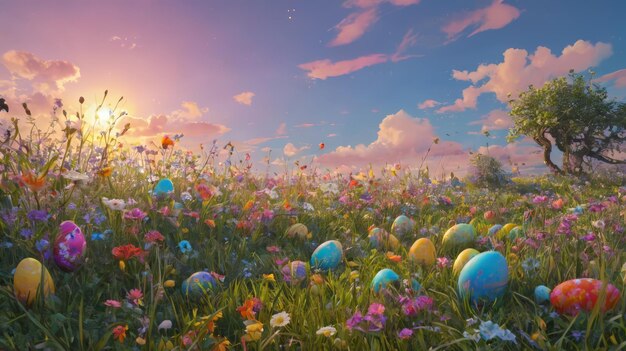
<point>135,296</point>
<point>273,249</point>
<point>113,303</point>
<point>135,214</point>
<point>443,262</point>
<point>405,333</point>
<point>376,309</point>
<point>153,236</point>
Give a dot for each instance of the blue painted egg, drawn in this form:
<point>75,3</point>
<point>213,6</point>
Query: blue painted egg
<point>163,188</point>
<point>494,229</point>
<point>383,278</point>
<point>327,256</point>
<point>459,236</point>
<point>294,272</point>
<point>402,226</point>
<point>517,232</point>
<point>542,294</point>
<point>198,283</point>
<point>484,277</point>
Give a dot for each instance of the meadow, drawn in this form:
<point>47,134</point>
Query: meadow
<point>253,232</point>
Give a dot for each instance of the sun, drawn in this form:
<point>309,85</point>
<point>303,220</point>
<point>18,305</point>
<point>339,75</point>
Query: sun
<point>104,115</point>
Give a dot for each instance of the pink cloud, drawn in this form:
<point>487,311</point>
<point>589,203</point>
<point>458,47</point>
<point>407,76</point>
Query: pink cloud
<point>494,120</point>
<point>322,69</point>
<point>291,150</point>
<point>396,142</point>
<point>618,76</point>
<point>244,98</point>
<point>409,40</point>
<point>372,3</point>
<point>282,129</point>
<point>518,70</point>
<point>354,26</point>
<point>495,16</point>
<point>430,103</point>
<point>306,125</point>
<point>47,75</point>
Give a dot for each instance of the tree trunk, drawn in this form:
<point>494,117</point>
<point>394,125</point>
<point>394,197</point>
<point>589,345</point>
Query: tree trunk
<point>547,151</point>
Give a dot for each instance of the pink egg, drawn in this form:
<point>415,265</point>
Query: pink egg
<point>577,295</point>
<point>69,247</point>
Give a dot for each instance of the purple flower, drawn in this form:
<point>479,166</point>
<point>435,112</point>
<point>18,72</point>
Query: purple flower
<point>539,199</point>
<point>26,233</point>
<point>405,333</point>
<point>135,214</point>
<point>38,215</point>
<point>589,237</point>
<point>354,321</point>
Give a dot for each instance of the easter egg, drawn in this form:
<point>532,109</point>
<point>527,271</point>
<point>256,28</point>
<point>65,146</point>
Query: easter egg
<point>327,256</point>
<point>163,188</point>
<point>294,272</point>
<point>484,277</point>
<point>517,232</point>
<point>573,296</point>
<point>383,278</point>
<point>28,275</point>
<point>423,252</point>
<point>494,229</point>
<point>462,259</point>
<point>379,238</point>
<point>298,230</point>
<point>402,225</point>
<point>504,231</point>
<point>542,294</point>
<point>69,247</point>
<point>459,236</point>
<point>198,283</point>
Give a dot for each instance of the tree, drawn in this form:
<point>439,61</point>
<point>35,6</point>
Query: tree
<point>487,172</point>
<point>577,116</point>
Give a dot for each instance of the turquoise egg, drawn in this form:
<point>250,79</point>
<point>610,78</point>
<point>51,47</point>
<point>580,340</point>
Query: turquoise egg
<point>517,232</point>
<point>198,283</point>
<point>494,229</point>
<point>542,294</point>
<point>383,278</point>
<point>415,285</point>
<point>402,225</point>
<point>327,256</point>
<point>484,277</point>
<point>163,188</point>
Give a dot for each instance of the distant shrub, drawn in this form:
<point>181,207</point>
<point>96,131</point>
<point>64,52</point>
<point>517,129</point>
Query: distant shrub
<point>487,172</point>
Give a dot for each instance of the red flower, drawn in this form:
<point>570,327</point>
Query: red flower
<point>126,252</point>
<point>166,142</point>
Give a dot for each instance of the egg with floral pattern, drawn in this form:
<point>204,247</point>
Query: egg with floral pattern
<point>198,284</point>
<point>459,236</point>
<point>380,238</point>
<point>294,272</point>
<point>402,226</point>
<point>69,247</point>
<point>576,295</point>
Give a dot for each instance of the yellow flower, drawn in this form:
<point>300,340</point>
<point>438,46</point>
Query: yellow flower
<point>122,266</point>
<point>254,330</point>
<point>169,283</point>
<point>105,172</point>
<point>140,340</point>
<point>354,275</point>
<point>269,277</point>
<point>185,230</point>
<point>222,345</point>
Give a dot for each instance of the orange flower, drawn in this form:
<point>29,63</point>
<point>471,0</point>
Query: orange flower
<point>105,172</point>
<point>246,310</point>
<point>210,223</point>
<point>222,345</point>
<point>119,333</point>
<point>34,182</point>
<point>166,142</point>
<point>393,257</point>
<point>248,205</point>
<point>287,205</point>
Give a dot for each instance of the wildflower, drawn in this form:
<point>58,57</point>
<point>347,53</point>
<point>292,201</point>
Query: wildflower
<point>327,331</point>
<point>126,252</point>
<point>113,303</point>
<point>166,142</point>
<point>166,324</point>
<point>254,330</point>
<point>140,341</point>
<point>405,333</point>
<point>135,296</point>
<point>119,333</point>
<point>246,310</point>
<point>185,246</point>
<point>135,214</point>
<point>105,172</point>
<point>210,321</point>
<point>531,264</point>
<point>598,224</point>
<point>34,182</point>
<point>443,262</point>
<point>97,236</point>
<point>221,346</point>
<point>75,176</point>
<point>280,319</point>
<point>539,199</point>
<point>269,277</point>
<point>26,233</point>
<point>376,309</point>
<point>153,236</point>
<point>353,321</point>
<point>474,337</point>
<point>38,216</point>
<point>114,204</point>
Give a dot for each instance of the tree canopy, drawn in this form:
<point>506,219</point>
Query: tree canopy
<point>577,116</point>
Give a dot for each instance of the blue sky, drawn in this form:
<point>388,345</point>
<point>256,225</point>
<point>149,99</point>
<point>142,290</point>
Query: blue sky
<point>186,61</point>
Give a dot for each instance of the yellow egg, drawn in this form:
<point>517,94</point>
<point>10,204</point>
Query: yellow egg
<point>297,230</point>
<point>462,259</point>
<point>505,230</point>
<point>26,279</point>
<point>423,252</point>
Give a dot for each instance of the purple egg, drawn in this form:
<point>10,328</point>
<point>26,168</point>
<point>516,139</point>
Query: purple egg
<point>294,272</point>
<point>69,247</point>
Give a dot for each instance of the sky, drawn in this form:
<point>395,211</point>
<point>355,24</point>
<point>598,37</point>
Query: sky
<point>375,81</point>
